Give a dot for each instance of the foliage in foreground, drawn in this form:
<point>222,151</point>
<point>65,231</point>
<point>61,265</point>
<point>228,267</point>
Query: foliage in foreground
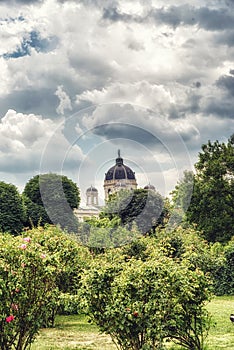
<point>27,290</point>
<point>142,303</point>
<point>35,272</point>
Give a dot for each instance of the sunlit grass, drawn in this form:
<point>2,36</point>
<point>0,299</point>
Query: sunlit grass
<point>222,334</point>
<point>74,332</point>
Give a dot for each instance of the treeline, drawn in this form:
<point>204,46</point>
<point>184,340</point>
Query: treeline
<point>205,199</point>
<point>46,199</point>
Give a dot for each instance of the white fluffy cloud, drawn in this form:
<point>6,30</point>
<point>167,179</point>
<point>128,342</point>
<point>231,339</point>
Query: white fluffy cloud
<point>164,69</point>
<point>23,130</point>
<point>64,100</point>
<point>30,144</point>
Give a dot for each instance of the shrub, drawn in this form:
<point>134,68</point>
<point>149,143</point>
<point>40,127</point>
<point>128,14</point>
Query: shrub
<point>141,303</point>
<point>27,290</point>
<point>35,270</point>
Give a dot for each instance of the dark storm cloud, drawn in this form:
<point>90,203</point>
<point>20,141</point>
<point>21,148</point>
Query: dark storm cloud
<point>221,108</point>
<point>130,132</point>
<point>226,82</point>
<point>42,102</point>
<point>191,105</point>
<point>158,138</point>
<point>174,16</point>
<point>225,38</point>
<point>113,14</point>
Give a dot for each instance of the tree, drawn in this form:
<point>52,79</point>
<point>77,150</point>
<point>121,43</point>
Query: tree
<point>140,206</point>
<point>181,195</point>
<point>212,202</point>
<point>51,198</point>
<point>11,209</point>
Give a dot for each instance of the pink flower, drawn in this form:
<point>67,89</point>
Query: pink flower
<point>27,239</point>
<point>10,318</point>
<point>17,290</point>
<point>43,256</point>
<point>23,265</point>
<point>23,246</point>
<point>14,307</point>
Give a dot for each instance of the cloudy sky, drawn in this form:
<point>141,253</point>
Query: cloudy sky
<point>82,79</point>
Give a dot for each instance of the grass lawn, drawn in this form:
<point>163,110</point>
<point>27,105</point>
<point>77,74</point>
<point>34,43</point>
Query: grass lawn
<point>222,334</point>
<point>74,332</point>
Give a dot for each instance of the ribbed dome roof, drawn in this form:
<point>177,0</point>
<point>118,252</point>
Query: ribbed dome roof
<point>120,171</point>
<point>91,189</point>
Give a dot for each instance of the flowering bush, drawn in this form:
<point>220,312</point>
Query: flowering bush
<point>27,290</point>
<point>34,271</point>
<point>142,303</point>
<point>72,257</point>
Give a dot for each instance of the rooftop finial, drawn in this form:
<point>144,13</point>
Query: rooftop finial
<point>119,160</point>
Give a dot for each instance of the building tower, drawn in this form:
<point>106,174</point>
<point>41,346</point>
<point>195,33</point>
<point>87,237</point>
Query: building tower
<point>118,177</point>
<point>92,196</point>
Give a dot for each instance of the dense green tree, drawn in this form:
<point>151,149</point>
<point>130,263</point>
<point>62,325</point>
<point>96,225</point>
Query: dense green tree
<point>35,214</point>
<point>223,270</point>
<point>139,206</point>
<point>11,209</point>
<point>180,199</point>
<point>181,195</point>
<point>51,198</point>
<point>212,202</point>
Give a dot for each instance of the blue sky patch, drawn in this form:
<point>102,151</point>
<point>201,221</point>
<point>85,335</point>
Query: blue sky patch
<point>33,40</point>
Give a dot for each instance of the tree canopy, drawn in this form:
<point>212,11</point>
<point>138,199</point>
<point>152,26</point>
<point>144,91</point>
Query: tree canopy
<point>182,193</point>
<point>212,202</point>
<point>11,209</point>
<point>51,198</point>
<point>140,206</point>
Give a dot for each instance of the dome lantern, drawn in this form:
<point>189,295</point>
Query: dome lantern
<point>91,196</point>
<point>119,160</point>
